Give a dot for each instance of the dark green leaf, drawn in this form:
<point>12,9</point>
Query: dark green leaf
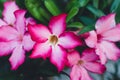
<point>72,13</point>
<point>115,5</point>
<point>52,7</point>
<point>86,29</point>
<point>95,11</point>
<point>76,25</point>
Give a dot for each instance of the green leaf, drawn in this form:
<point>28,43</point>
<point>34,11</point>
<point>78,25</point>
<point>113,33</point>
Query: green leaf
<point>87,20</point>
<point>116,9</point>
<point>20,3</point>
<point>72,13</point>
<point>1,6</point>
<point>76,25</point>
<point>52,7</point>
<point>115,5</point>
<point>95,11</point>
<point>96,3</point>
<point>86,29</point>
<point>76,3</point>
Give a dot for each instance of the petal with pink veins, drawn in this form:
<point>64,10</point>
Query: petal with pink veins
<point>58,24</point>
<point>75,73</point>
<point>7,33</point>
<point>2,22</point>
<point>105,23</point>
<point>91,40</point>
<point>110,50</point>
<point>112,34</point>
<point>17,58</point>
<point>95,67</point>
<point>84,74</point>
<point>9,8</point>
<point>58,57</point>
<point>6,48</point>
<point>41,50</point>
<point>20,21</point>
<point>73,57</point>
<point>27,42</point>
<point>69,40</point>
<point>89,55</point>
<point>101,54</point>
<point>39,32</point>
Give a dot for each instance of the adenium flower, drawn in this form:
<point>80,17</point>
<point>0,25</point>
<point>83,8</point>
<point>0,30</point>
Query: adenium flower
<point>107,32</point>
<point>14,37</point>
<point>80,64</point>
<point>53,41</point>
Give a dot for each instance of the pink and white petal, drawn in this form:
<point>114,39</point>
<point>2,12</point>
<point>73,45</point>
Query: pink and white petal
<point>20,21</point>
<point>112,34</point>
<point>91,40</point>
<point>73,57</point>
<point>101,54</point>
<point>95,67</point>
<point>75,73</point>
<point>41,50</point>
<point>58,57</point>
<point>30,20</point>
<point>2,22</point>
<point>110,49</point>
<point>84,74</point>
<point>69,40</point>
<point>17,58</point>
<point>7,33</point>
<point>8,12</point>
<point>58,24</point>
<point>89,55</point>
<point>27,42</point>
<point>39,32</point>
<point>6,48</point>
<point>105,23</point>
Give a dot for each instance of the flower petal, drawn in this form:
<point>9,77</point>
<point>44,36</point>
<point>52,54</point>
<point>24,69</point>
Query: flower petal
<point>20,20</point>
<point>89,55</point>
<point>112,34</point>
<point>95,67</point>
<point>110,50</point>
<point>39,32</point>
<point>9,8</point>
<point>73,57</point>
<point>69,40</point>
<point>101,54</point>
<point>6,48</point>
<point>105,23</point>
<point>30,20</point>
<point>75,73</point>
<point>27,42</point>
<point>58,57</point>
<point>2,22</point>
<point>7,33</point>
<point>41,50</point>
<point>84,74</point>
<point>91,40</point>
<point>58,24</point>
<point>17,58</point>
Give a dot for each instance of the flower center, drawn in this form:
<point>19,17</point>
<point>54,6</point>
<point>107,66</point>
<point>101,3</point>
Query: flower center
<point>80,62</point>
<point>99,37</point>
<point>53,39</point>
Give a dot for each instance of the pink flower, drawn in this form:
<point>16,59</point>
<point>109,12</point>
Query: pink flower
<point>13,35</point>
<point>80,64</point>
<point>52,41</point>
<point>107,32</point>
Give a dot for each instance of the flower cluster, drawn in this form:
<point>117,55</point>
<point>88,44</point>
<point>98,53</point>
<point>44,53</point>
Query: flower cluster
<point>19,34</point>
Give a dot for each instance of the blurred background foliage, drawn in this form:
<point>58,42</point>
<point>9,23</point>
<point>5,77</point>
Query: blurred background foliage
<point>82,15</point>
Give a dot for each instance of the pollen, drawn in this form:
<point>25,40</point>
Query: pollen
<point>53,39</point>
<point>80,62</point>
